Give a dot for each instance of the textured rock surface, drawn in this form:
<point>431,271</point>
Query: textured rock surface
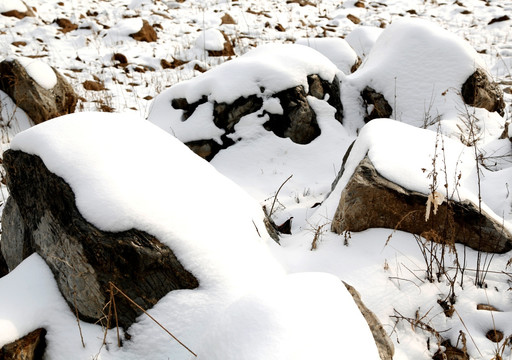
<point>29,347</point>
<point>39,103</point>
<point>375,104</point>
<point>480,91</point>
<point>13,246</point>
<point>371,201</point>
<point>382,340</point>
<point>83,258</point>
<point>298,121</point>
<point>226,51</point>
<point>4,270</point>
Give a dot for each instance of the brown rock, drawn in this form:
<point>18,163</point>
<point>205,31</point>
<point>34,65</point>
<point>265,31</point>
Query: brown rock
<point>382,340</point>
<point>29,347</point>
<point>93,85</point>
<point>19,14</point>
<point>228,48</point>
<point>450,353</point>
<point>371,201</point>
<point>227,19</point>
<point>83,258</point>
<point>39,103</point>
<point>66,25</point>
<point>354,19</point>
<point>479,91</point>
<point>146,33</point>
<point>375,104</point>
<point>121,59</point>
<point>172,65</point>
<point>494,335</point>
<point>486,307</point>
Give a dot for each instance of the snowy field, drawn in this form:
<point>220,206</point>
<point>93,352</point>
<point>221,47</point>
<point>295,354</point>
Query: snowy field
<point>257,299</point>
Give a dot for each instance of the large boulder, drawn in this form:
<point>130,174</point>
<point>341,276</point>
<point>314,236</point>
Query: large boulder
<point>41,91</point>
<point>371,201</point>
<point>42,216</point>
<point>272,81</point>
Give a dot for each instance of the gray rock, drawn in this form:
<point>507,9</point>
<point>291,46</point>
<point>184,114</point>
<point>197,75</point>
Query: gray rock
<point>83,258</point>
<point>13,246</point>
<point>39,103</point>
<point>298,121</point>
<point>371,201</point>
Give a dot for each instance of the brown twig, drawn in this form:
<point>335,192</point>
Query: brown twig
<point>275,197</point>
<point>152,318</point>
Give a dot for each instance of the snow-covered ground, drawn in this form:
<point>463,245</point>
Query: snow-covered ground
<point>420,67</point>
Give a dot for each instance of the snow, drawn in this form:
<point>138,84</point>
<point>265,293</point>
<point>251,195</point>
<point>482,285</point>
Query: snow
<point>9,5</point>
<point>211,39</point>
<point>418,67</point>
<point>39,71</point>
<point>173,189</point>
<point>265,70</point>
<point>388,272</point>
<point>335,49</point>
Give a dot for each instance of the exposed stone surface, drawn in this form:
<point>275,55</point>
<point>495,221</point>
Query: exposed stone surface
<point>19,14</point>
<point>371,201</point>
<point>226,51</point>
<point>66,25</point>
<point>450,353</point>
<point>479,91</point>
<point>83,258</point>
<point>147,33</point>
<point>298,121</point>
<point>376,105</point>
<point>29,347</point>
<point>382,340</point>
<point>4,270</point>
<point>13,246</point>
<point>39,103</point>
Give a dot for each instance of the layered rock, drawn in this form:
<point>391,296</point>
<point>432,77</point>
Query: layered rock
<point>42,216</point>
<point>371,201</point>
<point>39,103</point>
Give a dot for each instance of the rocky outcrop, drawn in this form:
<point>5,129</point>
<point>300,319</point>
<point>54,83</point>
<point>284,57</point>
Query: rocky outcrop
<point>480,91</point>
<point>297,122</point>
<point>83,258</point>
<point>39,103</point>
<point>13,246</point>
<point>382,340</point>
<point>29,347</point>
<point>371,201</point>
<point>147,33</point>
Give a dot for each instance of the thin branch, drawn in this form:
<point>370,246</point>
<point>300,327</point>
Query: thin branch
<point>275,197</point>
<point>152,318</point>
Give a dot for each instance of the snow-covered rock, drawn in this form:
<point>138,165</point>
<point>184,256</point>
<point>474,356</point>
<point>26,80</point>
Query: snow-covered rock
<point>37,88</point>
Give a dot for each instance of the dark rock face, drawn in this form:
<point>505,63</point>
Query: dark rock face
<point>298,121</point>
<point>146,33</point>
<point>29,347</point>
<point>371,201</point>
<point>4,270</point>
<point>83,258</point>
<point>376,105</point>
<point>39,103</point>
<point>13,246</point>
<point>382,340</point>
<point>480,91</point>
